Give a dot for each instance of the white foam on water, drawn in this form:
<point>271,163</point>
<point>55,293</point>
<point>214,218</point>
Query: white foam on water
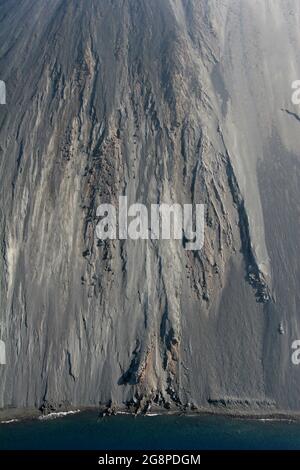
<point>59,414</point>
<point>286,420</point>
<point>9,421</point>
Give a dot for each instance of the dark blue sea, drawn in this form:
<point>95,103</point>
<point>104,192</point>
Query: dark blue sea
<point>86,431</point>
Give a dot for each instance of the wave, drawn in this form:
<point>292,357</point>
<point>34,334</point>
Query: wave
<point>9,421</point>
<point>278,420</point>
<point>59,414</point>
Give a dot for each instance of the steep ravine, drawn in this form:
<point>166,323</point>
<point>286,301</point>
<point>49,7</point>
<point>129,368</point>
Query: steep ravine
<point>163,101</point>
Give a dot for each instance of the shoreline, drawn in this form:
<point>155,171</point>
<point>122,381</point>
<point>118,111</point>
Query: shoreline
<point>13,415</point>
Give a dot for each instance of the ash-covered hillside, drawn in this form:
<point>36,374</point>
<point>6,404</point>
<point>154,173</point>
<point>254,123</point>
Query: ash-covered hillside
<point>184,101</point>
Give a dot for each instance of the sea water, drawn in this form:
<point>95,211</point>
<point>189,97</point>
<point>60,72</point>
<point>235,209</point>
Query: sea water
<point>157,432</point>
